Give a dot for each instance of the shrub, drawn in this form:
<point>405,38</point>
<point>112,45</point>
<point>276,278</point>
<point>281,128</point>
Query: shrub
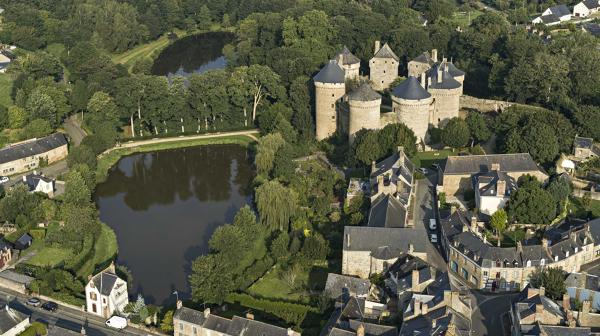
<point>35,329</point>
<point>289,312</point>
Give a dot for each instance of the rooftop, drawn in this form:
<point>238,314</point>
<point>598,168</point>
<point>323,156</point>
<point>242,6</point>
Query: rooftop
<point>347,57</point>
<point>31,147</point>
<point>386,52</point>
<point>472,164</point>
<point>410,89</point>
<point>331,73</point>
<point>364,93</point>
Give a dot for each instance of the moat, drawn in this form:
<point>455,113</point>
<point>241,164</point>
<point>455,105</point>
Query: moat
<point>165,205</point>
<point>192,54</point>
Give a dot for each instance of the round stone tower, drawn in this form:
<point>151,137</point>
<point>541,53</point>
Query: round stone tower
<point>365,107</point>
<point>412,104</point>
<point>446,92</point>
<point>348,62</point>
<point>330,87</point>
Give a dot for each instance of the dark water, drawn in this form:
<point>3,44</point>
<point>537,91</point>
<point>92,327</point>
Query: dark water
<point>164,206</point>
<point>192,54</point>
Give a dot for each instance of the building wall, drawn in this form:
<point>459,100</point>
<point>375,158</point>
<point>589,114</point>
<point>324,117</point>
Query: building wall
<point>446,105</point>
<point>417,68</point>
<point>379,266</point>
<point>490,204</point>
<point>183,328</point>
<point>357,263</point>
<point>351,71</point>
<point>414,114</point>
<point>32,162</point>
<point>363,115</point>
<point>459,183</point>
<point>383,72</point>
<point>18,329</point>
<point>326,100</point>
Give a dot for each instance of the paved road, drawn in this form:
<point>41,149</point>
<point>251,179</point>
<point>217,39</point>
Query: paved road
<point>73,128</point>
<point>52,171</point>
<point>65,317</point>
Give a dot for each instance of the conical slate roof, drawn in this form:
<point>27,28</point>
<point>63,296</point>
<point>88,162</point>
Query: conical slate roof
<point>448,82</point>
<point>454,71</point>
<point>364,93</point>
<point>386,52</point>
<point>347,57</point>
<point>331,73</point>
<point>410,89</point>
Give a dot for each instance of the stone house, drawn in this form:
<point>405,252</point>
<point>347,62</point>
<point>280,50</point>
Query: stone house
<point>26,155</point>
<point>553,16</point>
<point>493,268</point>
<point>383,66</point>
<point>12,322</point>
<point>584,148</point>
<point>106,294</point>
<point>458,171</point>
<point>39,183</point>
<point>532,308</point>
<point>584,287</point>
<point>342,287</point>
<point>586,8</point>
<point>492,190</point>
<point>422,63</point>
<point>190,322</point>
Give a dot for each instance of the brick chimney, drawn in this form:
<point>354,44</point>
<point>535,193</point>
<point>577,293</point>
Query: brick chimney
<point>452,208</point>
<point>501,188</point>
<point>360,331</point>
<point>566,302</point>
<point>424,308</point>
<point>542,291</point>
<point>434,55</point>
<point>585,306</point>
<point>340,60</point>
<point>373,166</point>
<point>424,80</point>
<point>411,249</point>
<point>448,298</point>
<point>474,224</point>
<point>428,81</point>
<point>206,312</point>
<point>415,280</point>
<point>379,183</point>
<point>544,243</point>
<point>519,247</point>
<point>377,46</point>
<point>439,74</point>
<point>179,304</point>
<point>417,308</point>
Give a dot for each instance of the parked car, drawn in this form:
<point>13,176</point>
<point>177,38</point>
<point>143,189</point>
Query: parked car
<point>423,170</point>
<point>34,302</point>
<point>4,179</point>
<point>432,224</point>
<point>117,322</point>
<point>435,166</point>
<point>434,238</point>
<point>50,306</point>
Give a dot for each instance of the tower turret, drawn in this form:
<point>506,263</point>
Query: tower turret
<point>412,104</point>
<point>383,67</point>
<point>329,88</point>
<point>348,62</point>
<point>446,92</point>
<point>365,107</point>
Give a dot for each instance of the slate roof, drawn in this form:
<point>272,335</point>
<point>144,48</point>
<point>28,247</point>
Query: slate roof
<point>105,282</point>
<point>338,284</point>
<point>9,318</point>
<point>32,181</point>
<point>331,73</point>
<point>189,315</point>
<point>372,329</point>
<point>443,317</point>
<point>424,58</point>
<point>550,18</point>
<point>592,28</point>
<point>364,93</point>
<point>447,82</point>
<point>591,4</point>
<point>472,164</point>
<point>386,52</point>
<point>526,306</point>
<point>243,326</point>
<point>29,148</point>
<point>410,89</point>
<point>361,238</point>
<point>550,330</point>
<point>24,241</point>
<point>454,71</point>
<point>347,57</point>
<point>387,211</point>
<point>583,280</point>
<point>560,10</point>
<point>399,167</point>
<point>581,142</point>
<point>16,277</point>
<point>490,183</point>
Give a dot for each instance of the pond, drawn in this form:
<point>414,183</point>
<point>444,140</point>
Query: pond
<point>165,205</point>
<point>192,54</point>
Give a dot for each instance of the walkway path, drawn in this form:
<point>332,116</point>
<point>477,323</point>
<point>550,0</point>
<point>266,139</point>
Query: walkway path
<point>73,128</point>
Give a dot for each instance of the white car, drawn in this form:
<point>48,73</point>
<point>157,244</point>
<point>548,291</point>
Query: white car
<point>434,238</point>
<point>423,170</point>
<point>4,179</point>
<point>117,322</point>
<point>432,224</point>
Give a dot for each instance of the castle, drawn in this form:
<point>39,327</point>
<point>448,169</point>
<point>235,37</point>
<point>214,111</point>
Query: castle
<point>428,97</point>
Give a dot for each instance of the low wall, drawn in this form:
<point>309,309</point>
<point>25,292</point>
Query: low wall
<point>483,105</point>
<point>580,193</point>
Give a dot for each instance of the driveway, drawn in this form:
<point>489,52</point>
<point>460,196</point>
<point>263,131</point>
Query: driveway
<point>73,128</point>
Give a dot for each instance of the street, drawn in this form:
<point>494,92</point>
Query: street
<point>64,317</point>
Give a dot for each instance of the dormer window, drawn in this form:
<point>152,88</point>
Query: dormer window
<point>567,253</point>
<point>543,262</point>
<point>498,264</point>
<point>555,258</point>
<point>576,249</point>
<point>528,263</point>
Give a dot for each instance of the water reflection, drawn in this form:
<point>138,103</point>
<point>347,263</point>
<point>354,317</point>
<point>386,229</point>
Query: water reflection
<point>164,207</point>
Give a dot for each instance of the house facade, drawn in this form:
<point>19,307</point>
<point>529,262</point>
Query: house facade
<point>106,294</point>
<point>585,8</point>
<point>26,155</point>
<point>39,183</point>
<point>12,322</point>
<point>492,190</point>
<point>584,148</point>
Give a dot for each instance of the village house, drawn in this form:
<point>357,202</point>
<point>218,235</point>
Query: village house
<point>5,253</point>
<point>591,28</point>
<point>39,183</point>
<point>584,148</point>
<point>554,15</point>
<point>585,8</point>
<point>12,322</point>
<point>492,190</point>
<point>532,308</point>
<point>584,287</point>
<point>458,171</point>
<point>342,287</point>
<point>190,322</point>
<point>442,312</point>
<point>484,266</point>
<point>106,294</point>
<point>26,155</point>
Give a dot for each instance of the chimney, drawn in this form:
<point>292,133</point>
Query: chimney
<point>474,224</point>
<point>340,60</point>
<point>206,312</point>
<point>401,154</point>
<point>250,316</point>
<point>424,80</point>
<point>434,55</point>
<point>415,280</point>
<point>379,183</point>
<point>417,308</point>
<point>573,236</point>
<point>411,249</point>
<point>452,208</point>
<point>495,167</point>
<point>360,331</point>
<point>566,302</point>
<point>377,46</point>
<point>448,298</point>
<point>500,188</point>
<point>433,323</point>
<point>439,74</point>
<point>399,188</point>
<point>519,247</point>
<point>179,304</point>
<point>444,60</point>
<point>465,228</point>
<point>484,239</point>
<point>542,291</point>
<point>428,81</point>
<point>24,178</point>
<point>539,311</point>
<point>373,166</point>
<point>424,308</point>
<point>544,243</point>
<point>585,306</point>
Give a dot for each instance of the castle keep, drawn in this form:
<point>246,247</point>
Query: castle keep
<point>430,95</point>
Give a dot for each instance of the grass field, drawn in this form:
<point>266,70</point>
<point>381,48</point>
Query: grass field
<point>426,159</point>
<point>578,209</point>
<point>272,286</point>
<point>110,159</point>
<point>6,83</point>
<point>50,256</point>
<point>462,18</point>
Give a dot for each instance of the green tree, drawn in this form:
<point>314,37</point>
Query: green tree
<point>166,325</point>
<point>279,246</point>
<point>456,133</point>
<point>276,205</point>
<point>210,280</point>
<point>394,135</point>
<point>37,128</point>
<point>553,281</point>
<point>315,247</point>
<point>265,152</point>
<point>101,108</point>
<point>17,117</point>
<point>498,221</point>
<point>41,106</point>
<point>365,148</point>
<point>76,190</point>
<point>587,118</point>
<point>478,127</point>
<point>531,205</point>
<point>82,154</point>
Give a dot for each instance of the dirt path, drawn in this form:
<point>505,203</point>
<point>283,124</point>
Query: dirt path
<point>73,128</point>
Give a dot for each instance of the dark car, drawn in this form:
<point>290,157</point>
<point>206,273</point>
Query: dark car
<point>35,302</point>
<point>50,306</point>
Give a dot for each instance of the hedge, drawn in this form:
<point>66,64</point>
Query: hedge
<point>291,313</point>
<point>38,234</point>
<point>35,329</point>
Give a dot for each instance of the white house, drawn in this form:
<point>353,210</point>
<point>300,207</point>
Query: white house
<point>106,294</point>
<point>39,183</point>
<point>586,8</point>
<point>12,322</point>
<point>492,190</point>
<point>554,15</point>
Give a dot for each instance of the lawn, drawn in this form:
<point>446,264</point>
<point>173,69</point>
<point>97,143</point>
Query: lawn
<point>272,286</point>
<point>105,248</point>
<point>50,256</point>
<point>577,209</point>
<point>110,159</point>
<point>462,18</point>
<point>6,83</point>
<point>426,159</point>
<point>130,57</point>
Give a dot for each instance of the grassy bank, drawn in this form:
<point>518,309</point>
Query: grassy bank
<point>110,159</point>
<point>6,83</point>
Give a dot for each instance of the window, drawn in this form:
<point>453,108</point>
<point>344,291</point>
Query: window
<point>454,266</point>
<point>180,326</point>
<point>93,296</point>
<point>194,331</point>
<point>383,71</point>
<point>543,262</point>
<point>332,105</point>
<point>485,273</point>
<point>94,309</point>
<point>381,82</point>
<point>104,300</point>
<point>528,263</point>
<point>464,273</point>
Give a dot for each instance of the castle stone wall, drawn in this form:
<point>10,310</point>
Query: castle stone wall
<point>446,105</point>
<point>417,68</point>
<point>414,114</point>
<point>363,114</point>
<point>326,99</point>
<point>383,72</point>
<point>351,71</point>
<point>483,105</point>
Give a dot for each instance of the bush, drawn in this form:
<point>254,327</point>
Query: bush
<point>254,272</point>
<point>37,234</point>
<point>35,329</point>
<point>292,313</point>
